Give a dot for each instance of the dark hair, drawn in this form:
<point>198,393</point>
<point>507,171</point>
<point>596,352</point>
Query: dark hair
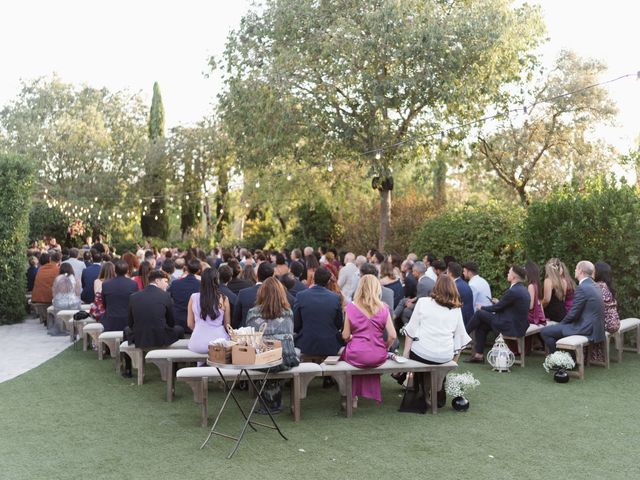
<point>107,271</point>
<point>148,254</point>
<point>122,268</point>
<point>520,271</point>
<point>193,266</point>
<point>448,259</point>
<point>96,257</point>
<point>209,294</point>
<point>379,256</point>
<point>322,276</point>
<point>265,270</point>
<point>311,261</point>
<point>272,299</point>
<point>249,274</point>
<point>168,266</point>
<point>445,292</point>
<point>604,274</point>
<point>287,281</point>
<point>368,269</point>
<point>387,270</point>
<point>55,256</point>
<point>155,275</point>
<point>66,268</point>
<point>431,258</point>
<point>297,269</point>
<point>471,266</point>
<point>533,273</point>
<point>235,267</point>
<point>73,253</point>
<point>280,259</point>
<point>132,262</point>
<point>454,269</point>
<point>44,258</point>
<point>143,273</point>
<point>225,274</point>
<point>439,265</point>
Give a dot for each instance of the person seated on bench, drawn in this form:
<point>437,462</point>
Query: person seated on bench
<point>45,277</point>
<point>272,308</point>
<point>66,296</point>
<point>434,335</point>
<point>586,316</point>
<point>115,298</point>
<point>208,312</point>
<point>151,322</point>
<point>509,316</point>
<point>365,321</point>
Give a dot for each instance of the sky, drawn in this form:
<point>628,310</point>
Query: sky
<point>131,44</point>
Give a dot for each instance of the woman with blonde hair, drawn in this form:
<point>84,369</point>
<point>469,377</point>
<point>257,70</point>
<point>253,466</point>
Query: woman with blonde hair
<point>554,290</point>
<point>365,321</point>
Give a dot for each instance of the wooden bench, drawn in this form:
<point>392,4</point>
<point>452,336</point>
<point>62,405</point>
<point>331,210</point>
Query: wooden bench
<point>112,340</point>
<point>627,325</point>
<point>531,330</point>
<point>342,373</point>
<point>165,359</point>
<point>137,355</point>
<point>198,379</point>
<point>90,334</point>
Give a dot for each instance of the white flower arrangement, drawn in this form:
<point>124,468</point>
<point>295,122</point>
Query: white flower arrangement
<point>460,383</point>
<point>558,360</point>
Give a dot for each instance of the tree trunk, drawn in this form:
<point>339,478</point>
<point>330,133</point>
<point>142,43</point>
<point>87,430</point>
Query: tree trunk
<point>522,193</point>
<point>385,216</point>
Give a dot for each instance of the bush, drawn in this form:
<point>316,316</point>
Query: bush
<point>599,223</point>
<point>316,225</point>
<point>488,235</point>
<point>16,180</point>
<point>47,222</point>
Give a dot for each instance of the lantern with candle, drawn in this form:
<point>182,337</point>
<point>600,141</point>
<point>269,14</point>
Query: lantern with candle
<point>500,357</point>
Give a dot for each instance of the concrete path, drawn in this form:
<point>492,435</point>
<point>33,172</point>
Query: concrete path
<point>26,345</point>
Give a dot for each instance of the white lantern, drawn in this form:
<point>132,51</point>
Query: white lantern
<point>500,357</point>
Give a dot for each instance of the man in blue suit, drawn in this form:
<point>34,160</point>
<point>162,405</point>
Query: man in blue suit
<point>317,318</point>
<point>508,316</point>
<point>89,276</point>
<point>586,316</point>
<point>464,290</point>
<point>181,291</point>
<point>115,297</point>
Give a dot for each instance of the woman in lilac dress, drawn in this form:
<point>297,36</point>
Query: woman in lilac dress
<point>365,321</point>
<point>208,313</point>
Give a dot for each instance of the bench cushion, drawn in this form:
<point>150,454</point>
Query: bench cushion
<point>93,327</point>
<point>388,366</point>
<point>183,343</point>
<point>175,355</point>
<point>572,341</point>
<point>111,335</point>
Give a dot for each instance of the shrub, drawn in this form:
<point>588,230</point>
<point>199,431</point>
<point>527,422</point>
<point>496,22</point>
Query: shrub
<point>316,225</point>
<point>599,223</point>
<point>47,222</point>
<point>16,180</point>
<point>488,235</point>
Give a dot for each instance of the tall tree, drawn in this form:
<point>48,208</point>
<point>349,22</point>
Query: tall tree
<point>154,220</point>
<point>364,75</point>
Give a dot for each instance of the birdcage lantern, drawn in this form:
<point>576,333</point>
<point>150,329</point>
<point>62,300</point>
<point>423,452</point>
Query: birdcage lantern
<point>500,357</point>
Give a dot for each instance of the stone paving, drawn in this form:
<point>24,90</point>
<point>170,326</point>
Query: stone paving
<point>26,345</point>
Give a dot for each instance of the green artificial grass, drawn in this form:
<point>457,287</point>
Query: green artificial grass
<point>73,417</point>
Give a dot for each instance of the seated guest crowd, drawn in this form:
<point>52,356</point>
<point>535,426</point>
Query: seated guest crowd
<point>320,303</point>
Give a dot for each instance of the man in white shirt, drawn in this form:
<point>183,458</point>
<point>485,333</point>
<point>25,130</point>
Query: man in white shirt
<point>479,286</point>
<point>348,277</point>
<point>428,260</point>
<point>77,265</point>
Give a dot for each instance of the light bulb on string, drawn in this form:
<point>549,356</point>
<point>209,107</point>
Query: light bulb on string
<point>378,154</point>
<point>46,190</point>
<point>258,184</point>
<point>95,199</point>
<point>289,177</point>
<point>140,201</point>
<point>186,197</point>
<point>161,210</point>
<point>153,200</point>
<point>155,217</point>
<point>330,167</point>
<point>246,205</point>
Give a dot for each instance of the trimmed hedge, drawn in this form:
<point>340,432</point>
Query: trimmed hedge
<point>599,223</point>
<point>487,234</point>
<point>47,222</point>
<point>16,181</point>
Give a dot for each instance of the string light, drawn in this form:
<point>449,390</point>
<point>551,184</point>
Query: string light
<point>289,177</point>
<point>378,154</point>
<point>258,184</point>
<point>330,167</point>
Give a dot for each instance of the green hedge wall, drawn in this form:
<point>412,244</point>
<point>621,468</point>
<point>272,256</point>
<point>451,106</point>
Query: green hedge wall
<point>16,180</point>
<point>600,223</point>
<point>487,234</point>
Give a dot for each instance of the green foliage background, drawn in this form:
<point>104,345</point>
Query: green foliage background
<point>47,222</point>
<point>16,182</point>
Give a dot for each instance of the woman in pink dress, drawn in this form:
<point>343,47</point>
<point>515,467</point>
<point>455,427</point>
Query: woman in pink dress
<point>365,321</point>
<point>208,313</point>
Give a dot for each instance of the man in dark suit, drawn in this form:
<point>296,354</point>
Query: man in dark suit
<point>317,318</point>
<point>236,284</point>
<point>89,276</point>
<point>508,316</point>
<point>464,290</point>
<point>151,320</point>
<point>181,291</point>
<point>586,316</point>
<point>115,297</point>
<point>224,276</point>
<point>297,270</point>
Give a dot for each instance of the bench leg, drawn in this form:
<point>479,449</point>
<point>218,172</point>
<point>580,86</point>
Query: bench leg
<point>348,387</point>
<point>607,352</point>
<point>433,387</point>
<point>617,340</point>
<point>521,345</point>
<point>295,397</point>
<point>115,352</point>
<point>580,362</point>
<point>169,374</point>
<point>100,350</point>
<point>204,405</point>
<point>85,342</point>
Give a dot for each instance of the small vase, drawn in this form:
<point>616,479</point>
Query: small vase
<point>460,404</point>
<point>561,376</point>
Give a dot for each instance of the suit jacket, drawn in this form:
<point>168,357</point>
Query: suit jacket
<point>317,318</point>
<point>151,317</point>
<point>387,297</point>
<point>115,297</point>
<point>181,291</point>
<point>237,284</point>
<point>297,287</point>
<point>42,286</point>
<point>89,276</point>
<point>245,301</point>
<point>511,312</point>
<point>586,316</point>
<point>466,294</point>
<point>233,298</point>
<point>410,286</point>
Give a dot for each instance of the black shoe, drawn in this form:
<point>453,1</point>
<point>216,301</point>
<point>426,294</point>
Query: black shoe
<point>399,377</point>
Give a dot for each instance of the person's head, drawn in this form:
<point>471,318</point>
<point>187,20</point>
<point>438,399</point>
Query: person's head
<point>249,274</point>
<point>367,295</point>
<point>349,258</point>
<point>517,274</point>
<point>297,269</point>
<point>272,299</point>
<point>406,266</point>
<point>143,273</point>
<point>235,267</point>
<point>584,269</point>
<point>159,278</point>
<point>287,281</point>
<point>604,274</point>
<point>412,257</point>
<point>89,241</point>
<point>225,274</point>
<point>329,256</point>
<point>469,270</point>
<point>387,270</point>
<point>33,261</point>
<point>369,269</point>
<point>445,292</point>
<point>428,259</point>
<point>122,268</point>
<point>96,257</point>
<point>439,266</point>
<point>360,260</point>
<point>132,262</point>
<point>193,266</point>
<point>419,269</point>
<point>533,273</point>
<point>107,271</point>
<point>73,253</point>
<point>448,259</point>
<point>179,263</point>
<point>209,294</point>
<point>312,262</point>
<point>265,270</point>
<point>377,258</point>
<point>322,276</point>
<point>308,251</point>
<point>168,266</point>
<point>296,254</point>
<point>395,260</point>
<point>455,270</point>
<point>44,258</point>
<point>66,269</point>
<point>280,259</point>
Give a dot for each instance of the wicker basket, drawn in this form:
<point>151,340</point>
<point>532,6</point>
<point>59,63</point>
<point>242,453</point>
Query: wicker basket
<point>250,339</point>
